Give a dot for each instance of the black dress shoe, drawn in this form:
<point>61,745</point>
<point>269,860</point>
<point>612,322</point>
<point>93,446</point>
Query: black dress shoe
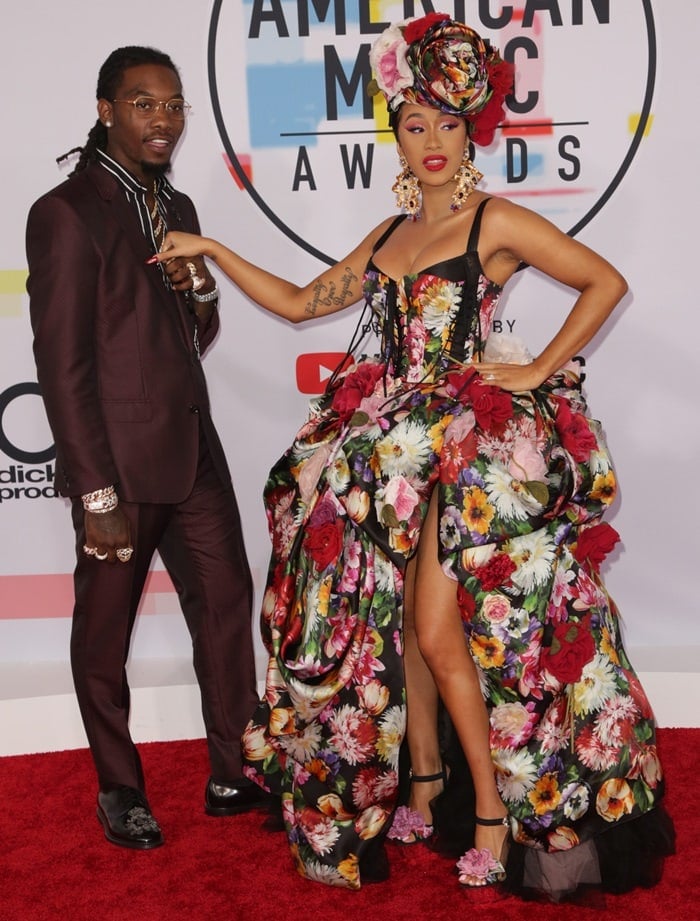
<point>230,799</point>
<point>127,820</point>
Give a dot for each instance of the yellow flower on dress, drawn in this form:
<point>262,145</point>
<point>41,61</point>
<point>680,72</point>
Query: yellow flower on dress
<point>546,795</point>
<point>349,869</point>
<point>614,799</point>
<point>604,488</point>
<point>607,647</point>
<point>488,650</point>
<point>478,511</point>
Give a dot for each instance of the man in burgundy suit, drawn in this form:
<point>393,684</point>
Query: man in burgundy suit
<point>117,345</point>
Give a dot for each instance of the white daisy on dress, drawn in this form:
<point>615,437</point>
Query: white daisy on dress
<point>516,773</point>
<point>302,746</point>
<point>595,686</point>
<point>405,450</point>
<point>440,304</point>
<point>323,873</point>
<point>338,474</point>
<point>392,728</point>
<point>533,555</point>
<point>384,574</point>
<point>511,498</point>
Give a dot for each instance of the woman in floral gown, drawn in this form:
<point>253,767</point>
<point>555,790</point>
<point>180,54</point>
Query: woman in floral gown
<point>498,459</point>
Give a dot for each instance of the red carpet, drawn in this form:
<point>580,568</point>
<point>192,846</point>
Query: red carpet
<point>56,864</point>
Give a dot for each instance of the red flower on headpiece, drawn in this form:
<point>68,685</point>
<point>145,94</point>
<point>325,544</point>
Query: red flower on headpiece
<point>416,29</point>
<point>501,76</point>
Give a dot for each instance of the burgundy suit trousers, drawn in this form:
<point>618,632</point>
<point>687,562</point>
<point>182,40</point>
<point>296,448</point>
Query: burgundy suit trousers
<point>201,544</point>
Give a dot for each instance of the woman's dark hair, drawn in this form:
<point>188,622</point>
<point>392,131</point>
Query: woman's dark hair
<point>108,82</point>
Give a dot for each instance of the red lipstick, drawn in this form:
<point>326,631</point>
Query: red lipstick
<point>434,163</point>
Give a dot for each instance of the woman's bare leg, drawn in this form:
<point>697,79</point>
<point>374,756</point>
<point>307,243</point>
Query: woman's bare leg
<point>443,645</point>
<point>422,711</point>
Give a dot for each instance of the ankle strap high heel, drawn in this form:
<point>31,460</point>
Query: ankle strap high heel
<point>426,778</point>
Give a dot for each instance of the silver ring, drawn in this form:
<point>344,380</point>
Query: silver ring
<point>101,556</point>
<point>124,554</point>
<point>490,377</point>
<point>89,551</point>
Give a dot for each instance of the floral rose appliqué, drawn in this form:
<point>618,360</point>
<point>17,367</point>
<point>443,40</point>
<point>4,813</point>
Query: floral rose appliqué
<point>491,405</point>
<point>571,648</point>
<point>595,543</point>
<point>354,387</point>
<point>388,61</point>
<point>576,436</point>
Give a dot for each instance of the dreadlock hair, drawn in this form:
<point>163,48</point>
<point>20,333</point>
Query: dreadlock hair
<point>108,81</point>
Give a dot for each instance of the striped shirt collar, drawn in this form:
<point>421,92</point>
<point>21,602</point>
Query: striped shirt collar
<point>130,183</point>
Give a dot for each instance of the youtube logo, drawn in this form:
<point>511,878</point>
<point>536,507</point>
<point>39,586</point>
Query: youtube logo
<point>314,368</point>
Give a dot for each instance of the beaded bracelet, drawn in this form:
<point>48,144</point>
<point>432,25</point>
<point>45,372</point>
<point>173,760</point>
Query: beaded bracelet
<point>100,501</point>
<point>202,298</point>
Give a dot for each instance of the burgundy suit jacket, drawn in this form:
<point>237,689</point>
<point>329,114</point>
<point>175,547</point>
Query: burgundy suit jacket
<point>123,386</point>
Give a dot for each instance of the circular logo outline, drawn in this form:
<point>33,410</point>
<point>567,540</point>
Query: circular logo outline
<point>6,446</point>
<point>312,250</point>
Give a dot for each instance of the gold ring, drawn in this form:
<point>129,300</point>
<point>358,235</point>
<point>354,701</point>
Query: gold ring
<point>124,554</point>
<point>197,280</point>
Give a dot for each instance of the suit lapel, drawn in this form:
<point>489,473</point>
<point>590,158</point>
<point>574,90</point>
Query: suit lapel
<point>125,217</point>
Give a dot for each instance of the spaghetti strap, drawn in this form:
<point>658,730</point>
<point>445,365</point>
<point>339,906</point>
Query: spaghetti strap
<point>473,243</point>
<point>399,219</point>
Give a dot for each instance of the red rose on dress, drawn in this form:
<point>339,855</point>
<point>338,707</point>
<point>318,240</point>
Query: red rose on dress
<point>595,543</point>
<point>355,386</point>
<point>324,542</point>
<point>492,406</point>
<point>496,572</point>
<point>466,604</point>
<point>575,434</point>
<point>415,30</point>
<point>572,647</point>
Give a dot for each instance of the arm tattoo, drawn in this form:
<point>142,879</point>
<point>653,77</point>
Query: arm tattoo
<point>329,295</point>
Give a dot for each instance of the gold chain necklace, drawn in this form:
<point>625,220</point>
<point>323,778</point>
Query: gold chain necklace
<point>158,227</point>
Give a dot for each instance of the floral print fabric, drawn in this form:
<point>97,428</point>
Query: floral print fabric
<point>522,482</point>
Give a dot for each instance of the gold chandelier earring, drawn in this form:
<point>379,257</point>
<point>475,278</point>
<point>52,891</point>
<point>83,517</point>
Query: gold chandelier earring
<point>407,190</point>
<point>467,178</point>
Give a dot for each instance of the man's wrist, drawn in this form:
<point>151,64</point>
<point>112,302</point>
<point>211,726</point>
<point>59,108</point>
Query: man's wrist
<point>100,501</point>
<point>203,297</point>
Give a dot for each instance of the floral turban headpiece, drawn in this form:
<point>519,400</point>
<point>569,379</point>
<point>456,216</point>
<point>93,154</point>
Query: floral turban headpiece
<point>438,62</point>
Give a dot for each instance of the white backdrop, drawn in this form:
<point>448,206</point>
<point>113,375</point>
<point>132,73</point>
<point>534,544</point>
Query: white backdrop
<point>641,370</point>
